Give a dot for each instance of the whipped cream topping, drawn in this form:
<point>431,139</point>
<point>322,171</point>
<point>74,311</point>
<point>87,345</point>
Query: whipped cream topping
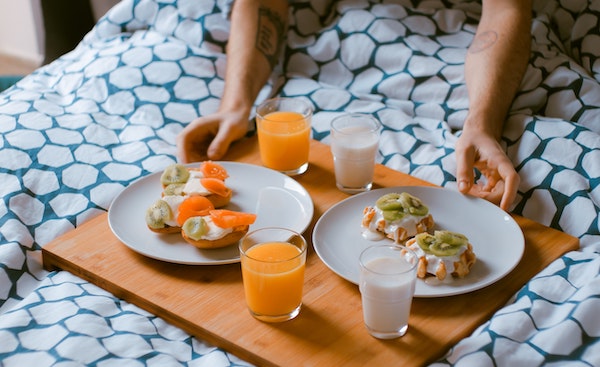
<point>214,232</point>
<point>408,222</point>
<point>173,201</point>
<point>194,186</point>
<point>433,261</point>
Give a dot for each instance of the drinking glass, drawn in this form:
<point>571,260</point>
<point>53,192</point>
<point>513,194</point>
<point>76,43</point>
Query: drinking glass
<point>273,262</point>
<point>354,143</point>
<point>283,126</point>
<point>387,285</point>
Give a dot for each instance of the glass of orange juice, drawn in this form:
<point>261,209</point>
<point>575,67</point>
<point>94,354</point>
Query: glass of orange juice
<point>283,127</point>
<point>273,262</point>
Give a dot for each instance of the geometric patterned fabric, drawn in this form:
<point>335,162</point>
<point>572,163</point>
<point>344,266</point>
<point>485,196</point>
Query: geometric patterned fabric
<point>78,131</point>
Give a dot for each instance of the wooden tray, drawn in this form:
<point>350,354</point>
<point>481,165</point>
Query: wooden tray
<point>208,301</point>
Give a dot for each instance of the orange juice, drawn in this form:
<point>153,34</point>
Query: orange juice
<point>284,140</point>
<point>273,275</point>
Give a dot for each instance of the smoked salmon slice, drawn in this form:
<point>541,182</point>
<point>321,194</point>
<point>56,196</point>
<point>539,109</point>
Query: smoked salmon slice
<point>225,218</point>
<point>194,206</point>
<point>211,169</point>
<point>215,186</point>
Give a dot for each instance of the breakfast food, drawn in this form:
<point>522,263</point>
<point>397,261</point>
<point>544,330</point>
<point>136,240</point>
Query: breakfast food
<point>398,216</point>
<point>218,228</point>
<point>191,205</point>
<point>207,180</point>
<point>442,253</point>
<point>405,219</point>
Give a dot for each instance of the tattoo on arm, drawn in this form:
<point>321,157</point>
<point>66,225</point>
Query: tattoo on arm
<point>270,29</point>
<point>483,41</point>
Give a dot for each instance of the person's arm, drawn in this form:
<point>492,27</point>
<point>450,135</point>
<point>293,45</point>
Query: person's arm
<point>494,66</point>
<point>256,37</point>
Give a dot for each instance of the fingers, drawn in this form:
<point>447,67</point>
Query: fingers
<point>193,140</point>
<point>511,184</point>
<point>226,135</point>
<point>493,195</point>
<point>464,169</point>
<point>501,178</point>
<point>210,137</point>
<point>219,146</point>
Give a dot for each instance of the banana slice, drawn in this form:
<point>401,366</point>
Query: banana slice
<point>175,174</point>
<point>158,214</point>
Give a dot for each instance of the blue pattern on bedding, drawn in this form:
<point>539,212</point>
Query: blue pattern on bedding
<point>78,131</point>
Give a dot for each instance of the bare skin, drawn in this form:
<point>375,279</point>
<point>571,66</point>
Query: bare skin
<point>494,67</point>
<point>253,22</point>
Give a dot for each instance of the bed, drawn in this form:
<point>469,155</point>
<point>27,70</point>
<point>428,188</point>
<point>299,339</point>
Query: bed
<point>78,131</point>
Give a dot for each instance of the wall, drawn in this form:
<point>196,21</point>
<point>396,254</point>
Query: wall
<point>21,29</point>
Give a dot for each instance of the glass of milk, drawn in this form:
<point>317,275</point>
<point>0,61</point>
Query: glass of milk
<point>388,274</point>
<point>354,144</point>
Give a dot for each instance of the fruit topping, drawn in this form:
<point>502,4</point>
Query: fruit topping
<point>157,214</point>
<point>174,189</point>
<point>394,206</point>
<point>175,173</point>
<point>441,243</point>
<point>195,228</point>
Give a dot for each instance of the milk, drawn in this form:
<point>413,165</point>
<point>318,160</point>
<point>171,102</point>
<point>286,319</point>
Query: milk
<point>387,286</point>
<point>354,146</point>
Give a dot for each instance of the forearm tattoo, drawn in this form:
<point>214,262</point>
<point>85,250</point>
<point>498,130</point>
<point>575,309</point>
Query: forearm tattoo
<point>483,41</point>
<point>268,37</point>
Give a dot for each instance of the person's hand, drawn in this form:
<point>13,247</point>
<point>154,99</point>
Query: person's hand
<point>209,137</point>
<point>483,152</point>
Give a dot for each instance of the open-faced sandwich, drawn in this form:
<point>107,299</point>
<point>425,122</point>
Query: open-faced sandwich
<point>191,205</point>
<point>199,223</point>
<point>397,216</point>
<point>442,253</point>
<point>208,180</point>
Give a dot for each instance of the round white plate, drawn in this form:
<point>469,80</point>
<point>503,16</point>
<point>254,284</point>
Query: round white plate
<point>278,201</point>
<point>497,240</point>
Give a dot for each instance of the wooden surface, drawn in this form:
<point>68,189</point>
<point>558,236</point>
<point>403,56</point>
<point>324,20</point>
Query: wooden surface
<point>208,301</point>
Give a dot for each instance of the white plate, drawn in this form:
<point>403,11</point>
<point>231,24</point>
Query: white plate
<point>497,240</point>
<point>278,201</point>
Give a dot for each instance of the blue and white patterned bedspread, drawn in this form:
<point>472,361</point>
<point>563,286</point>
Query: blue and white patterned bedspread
<point>78,131</point>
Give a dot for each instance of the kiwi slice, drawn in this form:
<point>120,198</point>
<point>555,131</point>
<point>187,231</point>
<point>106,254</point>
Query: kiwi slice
<point>389,202</point>
<point>174,189</point>
<point>175,173</point>
<point>441,243</point>
<point>195,228</point>
<point>392,215</point>
<point>425,240</point>
<point>413,205</point>
<point>400,204</point>
<point>439,248</point>
<point>451,238</point>
<point>157,214</point>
